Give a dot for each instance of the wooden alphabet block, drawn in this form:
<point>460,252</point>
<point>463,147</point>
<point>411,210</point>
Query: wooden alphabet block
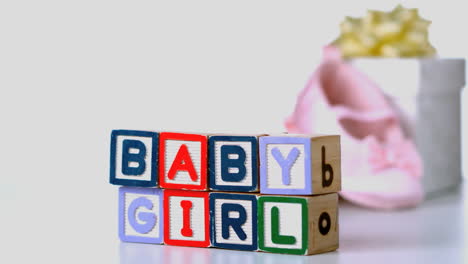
<point>233,220</point>
<point>298,225</point>
<point>233,163</point>
<point>183,161</point>
<point>134,158</point>
<point>141,215</point>
<point>186,218</point>
<point>302,174</point>
<point>300,164</point>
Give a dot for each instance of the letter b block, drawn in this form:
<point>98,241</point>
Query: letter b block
<point>300,164</point>
<point>298,225</point>
<point>134,157</point>
<point>233,163</point>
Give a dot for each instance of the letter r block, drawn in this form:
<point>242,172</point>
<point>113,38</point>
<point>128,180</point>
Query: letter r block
<point>233,163</point>
<point>298,225</point>
<point>183,161</point>
<point>186,218</point>
<point>300,164</point>
<point>141,215</point>
<point>134,158</point>
<point>233,221</point>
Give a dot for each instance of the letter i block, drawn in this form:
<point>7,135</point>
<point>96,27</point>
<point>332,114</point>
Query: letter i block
<point>134,158</point>
<point>300,165</point>
<point>233,163</point>
<point>186,218</point>
<point>298,225</point>
<point>183,161</point>
<point>140,215</point>
<point>233,221</point>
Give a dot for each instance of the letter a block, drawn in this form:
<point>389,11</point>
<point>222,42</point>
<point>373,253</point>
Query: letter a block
<point>298,225</point>
<point>134,158</point>
<point>300,164</point>
<point>233,163</point>
<point>140,215</point>
<point>233,221</point>
<point>183,161</point>
<point>186,218</point>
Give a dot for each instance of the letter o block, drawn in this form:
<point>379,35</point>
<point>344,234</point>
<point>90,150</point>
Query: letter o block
<point>233,163</point>
<point>298,225</point>
<point>300,164</point>
<point>233,221</point>
<point>134,158</point>
<point>140,215</point>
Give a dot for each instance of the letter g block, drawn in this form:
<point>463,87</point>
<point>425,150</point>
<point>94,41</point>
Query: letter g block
<point>141,215</point>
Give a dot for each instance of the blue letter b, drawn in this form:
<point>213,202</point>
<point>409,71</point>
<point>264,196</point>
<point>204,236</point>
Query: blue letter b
<point>227,163</point>
<point>128,157</point>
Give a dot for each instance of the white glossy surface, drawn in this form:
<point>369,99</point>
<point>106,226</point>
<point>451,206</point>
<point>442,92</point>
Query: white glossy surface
<point>432,233</point>
<point>79,224</point>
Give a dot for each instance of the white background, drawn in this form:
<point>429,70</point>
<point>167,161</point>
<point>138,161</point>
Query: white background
<point>71,71</point>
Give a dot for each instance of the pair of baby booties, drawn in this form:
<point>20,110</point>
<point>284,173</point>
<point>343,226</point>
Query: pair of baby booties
<point>381,167</point>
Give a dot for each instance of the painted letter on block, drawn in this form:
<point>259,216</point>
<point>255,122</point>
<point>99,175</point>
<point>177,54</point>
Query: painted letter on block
<point>134,156</point>
<point>233,221</point>
<point>187,218</point>
<point>298,225</point>
<point>183,161</point>
<point>233,163</point>
<point>140,215</point>
<point>282,224</point>
<point>299,165</point>
<point>285,165</point>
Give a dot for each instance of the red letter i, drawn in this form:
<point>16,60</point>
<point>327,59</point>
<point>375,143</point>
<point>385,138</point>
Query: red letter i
<point>186,230</point>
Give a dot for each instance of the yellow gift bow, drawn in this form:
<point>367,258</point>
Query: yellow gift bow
<point>398,33</point>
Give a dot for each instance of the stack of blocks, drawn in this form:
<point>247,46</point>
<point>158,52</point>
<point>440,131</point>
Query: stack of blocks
<point>256,192</point>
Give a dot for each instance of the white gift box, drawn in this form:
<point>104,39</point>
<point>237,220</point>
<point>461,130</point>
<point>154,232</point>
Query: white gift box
<point>427,94</point>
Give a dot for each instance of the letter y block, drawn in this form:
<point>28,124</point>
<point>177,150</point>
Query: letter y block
<point>300,164</point>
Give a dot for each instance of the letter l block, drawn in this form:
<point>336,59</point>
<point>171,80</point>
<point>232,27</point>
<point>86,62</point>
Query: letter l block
<point>298,225</point>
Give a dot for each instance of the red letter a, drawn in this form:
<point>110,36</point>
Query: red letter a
<point>182,162</point>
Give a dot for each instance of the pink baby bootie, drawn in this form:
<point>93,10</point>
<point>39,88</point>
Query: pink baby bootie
<point>380,167</point>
